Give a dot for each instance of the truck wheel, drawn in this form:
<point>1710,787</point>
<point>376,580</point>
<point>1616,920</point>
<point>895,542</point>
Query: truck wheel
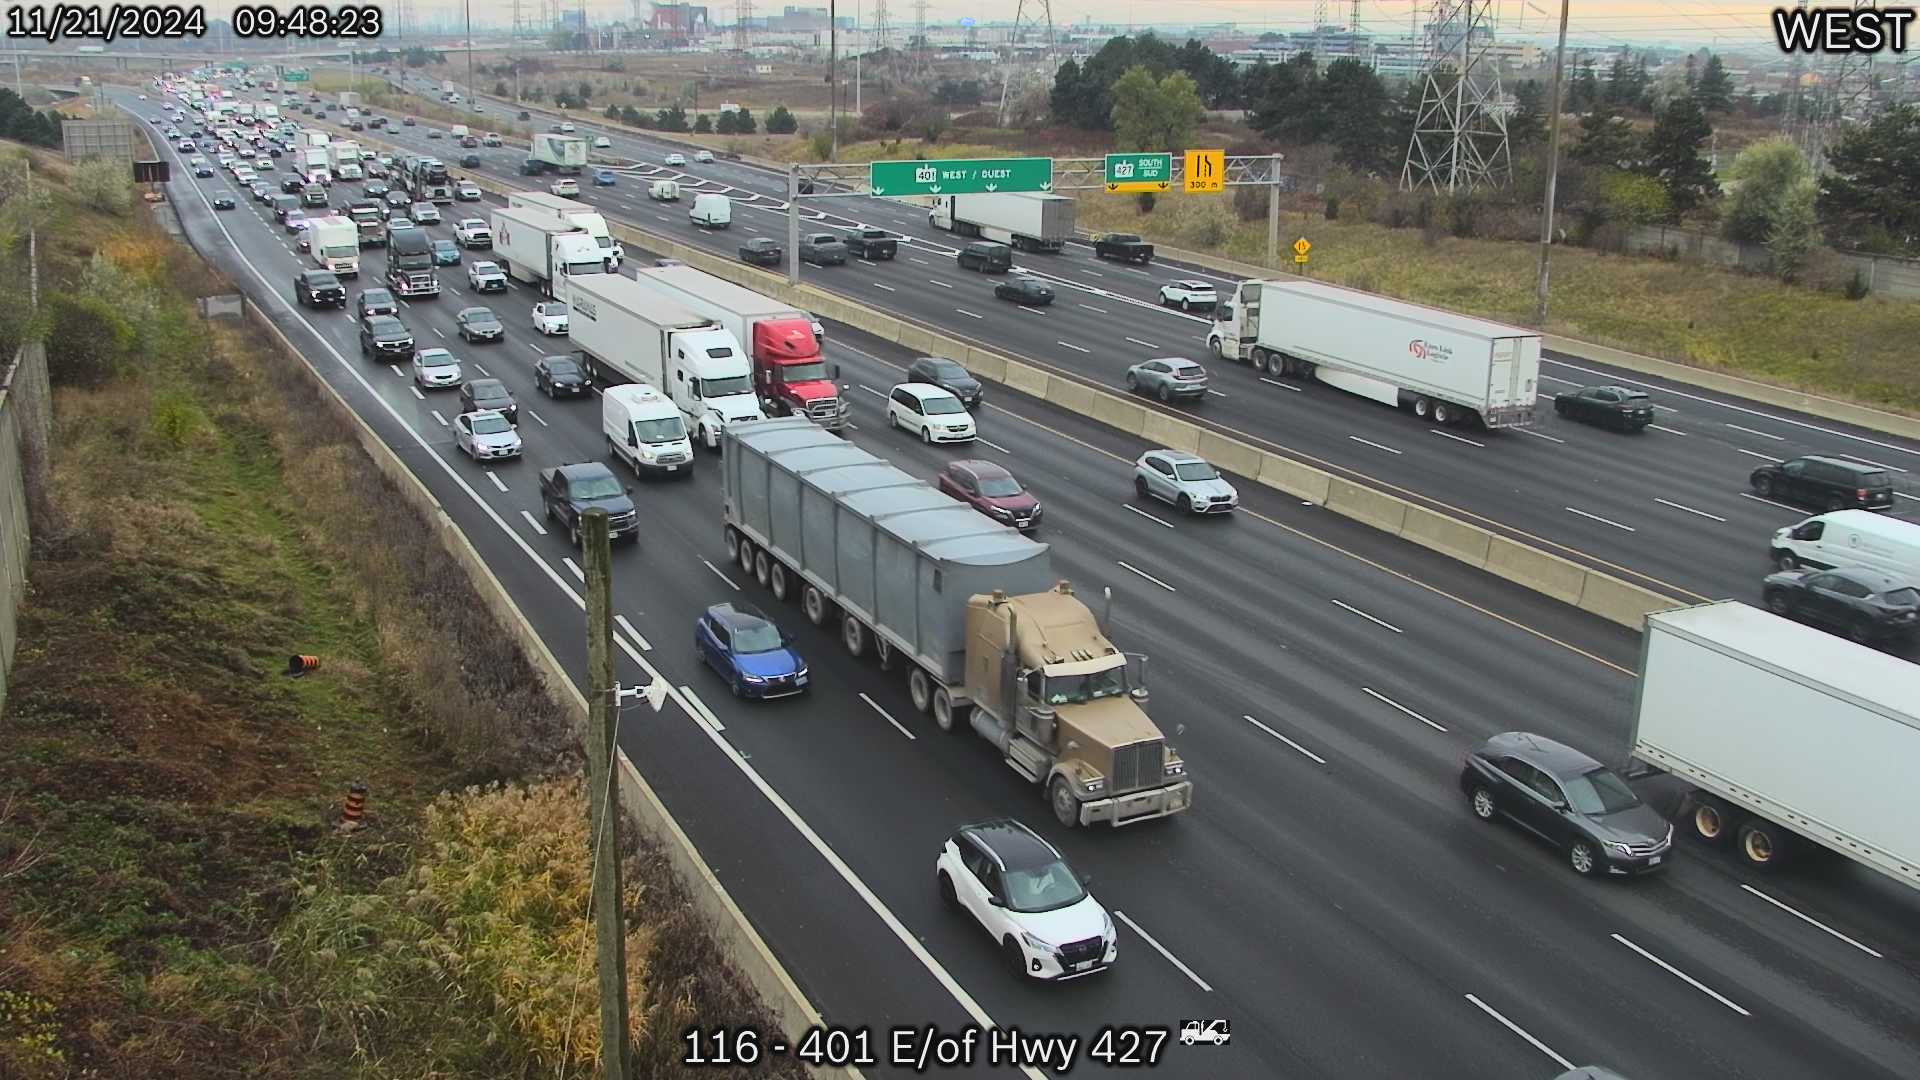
<point>1786,561</point>
<point>1422,408</point>
<point>947,716</point>
<point>761,567</point>
<point>1761,846</point>
<point>1213,346</point>
<point>1278,365</point>
<point>920,689</point>
<point>746,555</point>
<point>1443,413</point>
<point>730,538</point>
<point>1710,819</point>
<point>854,635</point>
<point>814,603</point>
<point>1066,808</point>
<point>778,582</point>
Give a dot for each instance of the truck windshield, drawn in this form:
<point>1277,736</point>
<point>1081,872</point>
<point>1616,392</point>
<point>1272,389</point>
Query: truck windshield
<point>1600,792</point>
<point>811,371</point>
<point>655,432</point>
<point>606,242</point>
<point>580,269</point>
<point>1080,689</point>
<point>726,387</point>
<point>339,251</point>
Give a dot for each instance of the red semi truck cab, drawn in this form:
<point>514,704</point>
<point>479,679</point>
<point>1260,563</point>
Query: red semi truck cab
<point>792,376</point>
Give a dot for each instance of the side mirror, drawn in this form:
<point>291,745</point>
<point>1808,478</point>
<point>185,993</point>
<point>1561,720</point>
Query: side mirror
<point>994,901</point>
<point>836,371</point>
<point>1086,881</point>
<point>631,441</point>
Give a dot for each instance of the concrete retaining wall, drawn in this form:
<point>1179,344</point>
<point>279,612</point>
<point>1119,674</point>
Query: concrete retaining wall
<point>26,416</point>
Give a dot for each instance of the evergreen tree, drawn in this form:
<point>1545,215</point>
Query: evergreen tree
<point>1715,89</point>
<point>1673,155</point>
<point>781,122</point>
<point>1606,139</point>
<point>671,118</point>
<point>1284,107</point>
<point>1528,122</point>
<point>1585,91</point>
<point>743,121</point>
<point>725,124</point>
<point>703,124</point>
<point>1872,190</point>
<point>1360,116</point>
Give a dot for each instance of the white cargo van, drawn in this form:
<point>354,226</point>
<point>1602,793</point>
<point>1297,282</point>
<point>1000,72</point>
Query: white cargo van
<point>644,429</point>
<point>711,211</point>
<point>1890,545</point>
<point>460,131</point>
<point>663,191</point>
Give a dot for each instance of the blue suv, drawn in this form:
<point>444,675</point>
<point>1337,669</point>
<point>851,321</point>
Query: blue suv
<point>745,648</point>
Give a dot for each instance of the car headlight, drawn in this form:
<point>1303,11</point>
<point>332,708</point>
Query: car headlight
<point>1038,944</point>
<point>1106,928</point>
<point>1619,848</point>
<point>1000,512</point>
<point>752,678</point>
<point>1095,785</point>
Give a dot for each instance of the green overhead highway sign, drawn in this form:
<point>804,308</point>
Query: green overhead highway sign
<point>1139,172</point>
<point>960,176</point>
<point>295,76</point>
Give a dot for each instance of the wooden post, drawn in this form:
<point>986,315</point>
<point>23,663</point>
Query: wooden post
<point>603,807</point>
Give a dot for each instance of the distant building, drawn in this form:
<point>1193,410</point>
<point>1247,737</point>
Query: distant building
<point>678,20</point>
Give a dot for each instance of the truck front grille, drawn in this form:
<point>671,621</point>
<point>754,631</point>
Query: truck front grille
<point>1141,764</point>
<point>823,409</point>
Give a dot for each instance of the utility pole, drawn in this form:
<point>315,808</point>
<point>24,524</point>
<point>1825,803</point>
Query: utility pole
<point>833,74</point>
<point>473,92</point>
<point>1553,176</point>
<point>603,808</point>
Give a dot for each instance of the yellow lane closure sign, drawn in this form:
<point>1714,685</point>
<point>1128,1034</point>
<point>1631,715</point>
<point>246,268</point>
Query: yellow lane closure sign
<point>1206,171</point>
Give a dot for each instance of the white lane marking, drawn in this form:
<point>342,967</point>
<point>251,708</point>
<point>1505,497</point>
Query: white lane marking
<point>1756,453</point>
<point>700,711</point>
<point>1558,379</point>
<point>397,371</point>
<point>417,393</point>
<point>575,567</point>
<point>1668,430</point>
<point>1870,461</point>
<point>1162,950</point>
<point>875,706</point>
<point>1149,517</point>
<point>437,416</point>
<point>1770,502</point>
<point>534,345</point>
<point>533,524</point>
<point>1762,434</point>
<point>1736,408</point>
<point>1128,566</point>
<point>1665,408</point>
<point>1520,1031</point>
<point>1690,510</point>
<point>483,371</point>
<point>536,416</point>
<point>1215,393</point>
<point>1281,385</point>
<point>969,314</point>
<point>1537,435</point>
<point>1811,921</point>
<point>872,391</point>
<point>1075,348</point>
<point>1456,438</point>
<point>1683,976</point>
<point>1090,307</point>
<point>436,330</point>
<point>1598,518</point>
<point>497,482</point>
<point>1143,344</point>
<point>1375,445</point>
<point>922,262</point>
<point>941,284</point>
<point>1316,757</point>
<point>1091,273</point>
<point>1031,310</point>
<point>638,637</point>
<point>1376,695</point>
<point>721,576</point>
<point>1369,618</point>
<point>995,445</point>
<point>877,285</point>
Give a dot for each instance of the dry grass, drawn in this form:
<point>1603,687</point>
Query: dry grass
<point>1711,318</point>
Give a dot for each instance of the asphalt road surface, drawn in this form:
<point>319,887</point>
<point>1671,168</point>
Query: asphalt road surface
<point>1329,894</point>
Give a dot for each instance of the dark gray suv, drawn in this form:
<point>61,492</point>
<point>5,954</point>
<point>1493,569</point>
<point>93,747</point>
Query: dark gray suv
<point>1569,800</point>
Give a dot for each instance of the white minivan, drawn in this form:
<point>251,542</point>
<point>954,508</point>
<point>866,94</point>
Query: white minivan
<point>663,191</point>
<point>646,431</point>
<point>711,211</point>
<point>1890,545</point>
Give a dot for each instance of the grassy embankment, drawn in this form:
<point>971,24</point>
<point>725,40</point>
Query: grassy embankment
<point>1712,318</point>
<point>174,899</point>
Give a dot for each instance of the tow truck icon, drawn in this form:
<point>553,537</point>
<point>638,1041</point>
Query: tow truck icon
<point>1216,1032</point>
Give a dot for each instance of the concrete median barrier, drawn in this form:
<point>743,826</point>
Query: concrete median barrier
<point>1072,396</point>
<point>1450,537</point>
<point>1535,569</point>
<point>1118,413</point>
<point>1171,432</point>
<point>1290,476</point>
<point>1239,458</point>
<point>1619,601</point>
<point>985,365</point>
<point>1376,508</point>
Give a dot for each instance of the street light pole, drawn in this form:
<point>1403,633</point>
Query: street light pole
<point>1553,176</point>
<point>473,95</point>
<point>833,74</point>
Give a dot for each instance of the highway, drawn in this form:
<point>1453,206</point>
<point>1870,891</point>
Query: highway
<point>1669,508</point>
<point>1329,893</point>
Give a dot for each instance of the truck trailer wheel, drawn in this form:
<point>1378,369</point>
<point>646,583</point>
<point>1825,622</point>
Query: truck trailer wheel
<point>730,539</point>
<point>1710,819</point>
<point>746,555</point>
<point>1443,413</point>
<point>1066,808</point>
<point>1422,408</point>
<point>778,582</point>
<point>947,716</point>
<point>761,567</point>
<point>814,603</point>
<point>920,689</point>
<point>1762,845</point>
<point>854,635</point>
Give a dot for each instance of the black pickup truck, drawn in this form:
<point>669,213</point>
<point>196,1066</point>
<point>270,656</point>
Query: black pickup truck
<point>871,243</point>
<point>1125,247</point>
<point>567,491</point>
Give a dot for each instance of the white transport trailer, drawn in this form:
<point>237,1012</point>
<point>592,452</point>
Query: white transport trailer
<point>1028,221</point>
<point>1435,364</point>
<point>535,247</point>
<point>1791,737</point>
<point>582,215</point>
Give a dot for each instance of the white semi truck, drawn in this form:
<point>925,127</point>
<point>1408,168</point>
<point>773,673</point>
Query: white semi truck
<point>583,216</point>
<point>344,158</point>
<point>535,247</point>
<point>1028,221</point>
<point>629,333</point>
<point>1440,366</point>
<point>1791,737</point>
<point>334,244</point>
<point>316,164</point>
<point>564,154</point>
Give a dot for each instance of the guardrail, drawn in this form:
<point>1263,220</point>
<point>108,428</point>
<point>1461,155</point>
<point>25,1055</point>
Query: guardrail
<point>25,427</point>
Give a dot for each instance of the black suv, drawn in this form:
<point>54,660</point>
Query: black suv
<point>1828,483</point>
<point>1610,406</point>
<point>480,394</point>
<point>1567,799</point>
<point>947,375</point>
<point>319,288</point>
<point>986,257</point>
<point>376,302</point>
<point>385,337</point>
<point>567,491</point>
<point>1865,604</point>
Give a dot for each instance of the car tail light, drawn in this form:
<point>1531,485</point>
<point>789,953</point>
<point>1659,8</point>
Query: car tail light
<point>1861,494</point>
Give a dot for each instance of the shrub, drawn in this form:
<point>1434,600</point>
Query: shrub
<point>86,340</point>
<point>104,185</point>
<point>821,143</point>
<point>1332,210</point>
<point>703,124</point>
<point>1857,288</point>
<point>1145,200</point>
<point>781,122</point>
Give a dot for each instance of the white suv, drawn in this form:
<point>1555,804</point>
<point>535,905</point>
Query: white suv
<point>1187,295</point>
<point>936,415</point>
<point>1022,893</point>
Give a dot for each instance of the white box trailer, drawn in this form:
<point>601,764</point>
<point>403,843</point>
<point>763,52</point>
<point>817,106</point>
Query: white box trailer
<point>1786,733</point>
<point>627,332</point>
<point>535,247</point>
<point>1028,221</point>
<point>583,216</point>
<point>334,244</point>
<point>565,154</point>
<point>1435,364</point>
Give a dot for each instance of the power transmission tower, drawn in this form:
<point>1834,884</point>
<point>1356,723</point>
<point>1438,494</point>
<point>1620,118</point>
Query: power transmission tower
<point>922,49</point>
<point>1028,14</point>
<point>742,15</point>
<point>1843,95</point>
<point>880,37</point>
<point>1460,132</point>
<point>1320,15</point>
<point>1353,17</point>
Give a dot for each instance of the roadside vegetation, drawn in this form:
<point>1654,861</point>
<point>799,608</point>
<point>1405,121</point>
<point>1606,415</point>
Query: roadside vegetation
<point>175,900</point>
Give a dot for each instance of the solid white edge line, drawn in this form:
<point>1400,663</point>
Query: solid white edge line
<point>1691,510</point>
<point>1162,950</point>
<point>717,573</point>
<point>1128,566</point>
<point>575,567</point>
<point>1316,757</point>
<point>1811,921</point>
<point>1281,385</point>
<point>1537,435</point>
<point>1520,1031</point>
<point>534,524</point>
<point>1378,696</point>
<point>875,706</point>
<point>821,847</point>
<point>638,637</point>
<point>700,712</point>
<point>1075,348</point>
<point>1600,519</point>
<point>1683,976</point>
<point>1149,517</point>
<point>993,444</point>
<point>1369,618</point>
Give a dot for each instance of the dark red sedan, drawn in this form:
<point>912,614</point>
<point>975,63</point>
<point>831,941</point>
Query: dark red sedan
<point>993,491</point>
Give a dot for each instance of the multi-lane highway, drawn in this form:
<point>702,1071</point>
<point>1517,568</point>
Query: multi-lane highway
<point>1329,893</point>
<point>1669,507</point>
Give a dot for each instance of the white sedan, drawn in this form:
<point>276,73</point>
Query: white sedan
<point>602,143</point>
<point>676,159</point>
<point>1187,295</point>
<point>550,317</point>
<point>704,157</point>
<point>1020,890</point>
<point>435,369</point>
<point>565,186</point>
